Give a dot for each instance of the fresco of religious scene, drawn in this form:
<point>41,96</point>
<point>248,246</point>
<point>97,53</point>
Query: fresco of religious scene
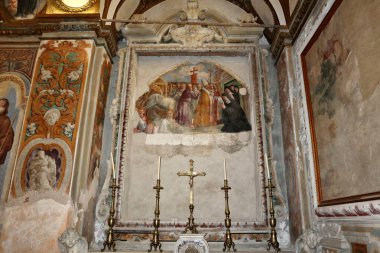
<point>200,98</point>
<point>22,8</point>
<point>43,171</point>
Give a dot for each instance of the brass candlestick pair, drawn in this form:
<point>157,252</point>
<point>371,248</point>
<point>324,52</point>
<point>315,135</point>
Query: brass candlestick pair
<point>272,241</point>
<point>155,242</point>
<point>110,242</point>
<point>228,243</point>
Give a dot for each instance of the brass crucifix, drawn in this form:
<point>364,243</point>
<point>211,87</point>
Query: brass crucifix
<point>191,174</point>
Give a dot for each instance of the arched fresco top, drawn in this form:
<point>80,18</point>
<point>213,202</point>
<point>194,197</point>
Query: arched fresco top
<point>14,80</point>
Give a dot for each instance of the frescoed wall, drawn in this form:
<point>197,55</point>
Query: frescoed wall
<point>343,89</point>
<point>182,108</point>
<point>52,116</point>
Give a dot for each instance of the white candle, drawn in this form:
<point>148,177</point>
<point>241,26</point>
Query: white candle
<point>113,167</point>
<point>267,165</point>
<point>225,171</point>
<point>191,197</point>
<point>159,167</point>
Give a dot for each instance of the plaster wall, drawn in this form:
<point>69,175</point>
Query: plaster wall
<point>358,220</point>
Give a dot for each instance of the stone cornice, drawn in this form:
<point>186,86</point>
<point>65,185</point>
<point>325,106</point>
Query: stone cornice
<point>108,33</point>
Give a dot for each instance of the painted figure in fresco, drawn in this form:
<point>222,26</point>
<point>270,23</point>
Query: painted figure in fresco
<point>235,92</point>
<point>142,124</point>
<point>184,112</point>
<point>202,115</point>
<point>216,106</point>
<point>169,125</point>
<point>25,8</point>
<point>233,116</point>
<point>6,130</point>
<point>42,172</point>
<point>12,7</point>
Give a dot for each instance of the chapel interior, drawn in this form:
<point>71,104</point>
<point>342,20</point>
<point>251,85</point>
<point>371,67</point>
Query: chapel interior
<point>189,126</point>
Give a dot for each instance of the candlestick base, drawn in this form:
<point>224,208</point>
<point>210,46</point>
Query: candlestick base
<point>272,241</point>
<point>190,225</point>
<point>155,242</point>
<point>228,243</point>
<point>110,242</point>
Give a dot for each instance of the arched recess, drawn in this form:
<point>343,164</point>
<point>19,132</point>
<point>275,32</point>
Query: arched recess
<point>15,88</point>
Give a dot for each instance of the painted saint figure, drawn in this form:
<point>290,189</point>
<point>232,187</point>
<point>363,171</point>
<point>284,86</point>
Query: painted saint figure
<point>184,111</point>
<point>6,130</point>
<point>202,115</point>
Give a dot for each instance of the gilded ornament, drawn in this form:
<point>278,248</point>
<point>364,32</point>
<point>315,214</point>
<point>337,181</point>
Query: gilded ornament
<point>69,8</point>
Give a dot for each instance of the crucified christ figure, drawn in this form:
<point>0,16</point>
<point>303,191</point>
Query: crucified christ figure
<point>191,174</point>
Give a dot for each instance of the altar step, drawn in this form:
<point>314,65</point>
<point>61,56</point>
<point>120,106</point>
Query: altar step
<point>168,247</point>
<point>254,251</point>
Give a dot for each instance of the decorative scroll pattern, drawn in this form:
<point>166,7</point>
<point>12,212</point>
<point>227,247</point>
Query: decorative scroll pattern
<point>349,210</point>
<point>56,92</point>
<point>17,60</point>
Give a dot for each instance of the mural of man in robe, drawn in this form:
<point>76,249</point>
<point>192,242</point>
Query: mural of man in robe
<point>202,115</point>
<point>184,111</point>
<point>6,130</point>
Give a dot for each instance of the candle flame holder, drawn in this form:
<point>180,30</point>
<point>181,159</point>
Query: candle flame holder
<point>228,243</point>
<point>272,241</point>
<point>155,242</point>
<point>191,226</point>
<point>110,241</point>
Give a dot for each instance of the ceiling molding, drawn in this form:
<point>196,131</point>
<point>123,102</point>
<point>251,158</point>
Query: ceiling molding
<point>246,5</point>
<point>276,21</point>
<point>108,33</point>
<point>300,16</point>
<point>286,9</point>
<point>285,37</point>
<point>145,5</point>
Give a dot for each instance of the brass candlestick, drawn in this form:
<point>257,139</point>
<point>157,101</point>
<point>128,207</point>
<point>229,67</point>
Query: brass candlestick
<point>190,226</point>
<point>272,241</point>
<point>155,242</point>
<point>228,243</point>
<point>110,242</point>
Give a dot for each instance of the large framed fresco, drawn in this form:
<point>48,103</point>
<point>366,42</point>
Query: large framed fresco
<point>342,86</point>
<point>199,106</point>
